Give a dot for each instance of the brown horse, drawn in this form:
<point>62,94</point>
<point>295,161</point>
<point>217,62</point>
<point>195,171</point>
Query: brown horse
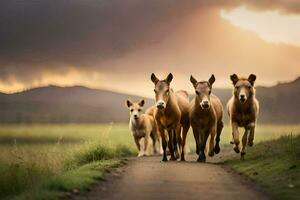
<point>206,112</point>
<point>243,110</point>
<point>172,116</point>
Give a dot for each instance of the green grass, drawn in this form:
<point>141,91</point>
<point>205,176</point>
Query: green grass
<point>45,161</point>
<point>45,164</point>
<point>274,165</point>
<point>77,179</point>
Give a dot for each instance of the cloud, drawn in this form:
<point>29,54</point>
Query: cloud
<point>52,34</point>
<point>285,6</point>
<point>40,39</point>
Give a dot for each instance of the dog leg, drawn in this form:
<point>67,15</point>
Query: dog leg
<point>146,141</point>
<point>137,142</point>
<point>152,136</point>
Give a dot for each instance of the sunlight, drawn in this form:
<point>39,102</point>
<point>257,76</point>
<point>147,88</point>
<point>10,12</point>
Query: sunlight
<point>271,26</point>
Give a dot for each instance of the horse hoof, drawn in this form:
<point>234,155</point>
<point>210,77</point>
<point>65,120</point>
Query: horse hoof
<point>201,160</point>
<point>243,155</point>
<point>173,159</point>
<point>231,142</point>
<point>164,159</point>
<point>217,150</point>
<point>236,149</point>
<point>250,143</point>
<point>211,154</point>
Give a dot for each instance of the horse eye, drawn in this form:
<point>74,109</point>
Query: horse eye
<point>209,92</point>
<point>197,93</point>
<point>139,110</point>
<point>131,110</point>
<point>155,91</point>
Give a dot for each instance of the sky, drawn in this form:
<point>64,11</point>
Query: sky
<point>117,44</point>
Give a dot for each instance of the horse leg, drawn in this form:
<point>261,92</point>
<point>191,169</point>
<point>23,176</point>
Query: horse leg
<point>196,137</point>
<point>164,144</point>
<point>213,131</point>
<point>251,126</point>
<point>184,134</point>
<point>244,144</point>
<point>202,144</point>
<point>235,134</point>
<point>178,141</point>
<point>219,130</point>
<point>171,144</point>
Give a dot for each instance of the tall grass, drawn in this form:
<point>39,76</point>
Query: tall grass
<point>26,167</point>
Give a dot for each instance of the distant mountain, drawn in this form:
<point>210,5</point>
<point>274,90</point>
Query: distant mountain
<point>53,104</point>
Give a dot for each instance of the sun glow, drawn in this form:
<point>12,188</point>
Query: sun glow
<point>271,26</point>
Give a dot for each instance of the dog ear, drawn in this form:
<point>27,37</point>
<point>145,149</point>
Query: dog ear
<point>234,78</point>
<point>154,78</point>
<point>211,80</point>
<point>128,103</point>
<point>169,78</point>
<point>193,81</point>
<point>252,79</point>
<point>142,103</point>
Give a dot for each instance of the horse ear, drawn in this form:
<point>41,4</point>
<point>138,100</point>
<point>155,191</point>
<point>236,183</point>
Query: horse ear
<point>154,78</point>
<point>252,79</point>
<point>211,80</point>
<point>193,81</point>
<point>142,103</point>
<point>128,103</point>
<point>234,78</point>
<point>169,78</point>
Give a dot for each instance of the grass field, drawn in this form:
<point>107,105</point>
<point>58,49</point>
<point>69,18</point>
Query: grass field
<point>274,165</point>
<point>46,160</point>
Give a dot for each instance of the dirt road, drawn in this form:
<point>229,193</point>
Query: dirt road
<point>148,178</point>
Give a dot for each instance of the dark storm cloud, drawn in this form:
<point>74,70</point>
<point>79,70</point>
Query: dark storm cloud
<point>50,34</point>
<point>55,34</point>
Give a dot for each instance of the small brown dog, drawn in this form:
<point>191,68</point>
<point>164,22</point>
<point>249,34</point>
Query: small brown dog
<point>206,112</point>
<point>143,126</point>
<point>243,110</point>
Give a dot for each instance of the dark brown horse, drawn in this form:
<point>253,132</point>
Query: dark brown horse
<point>206,113</point>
